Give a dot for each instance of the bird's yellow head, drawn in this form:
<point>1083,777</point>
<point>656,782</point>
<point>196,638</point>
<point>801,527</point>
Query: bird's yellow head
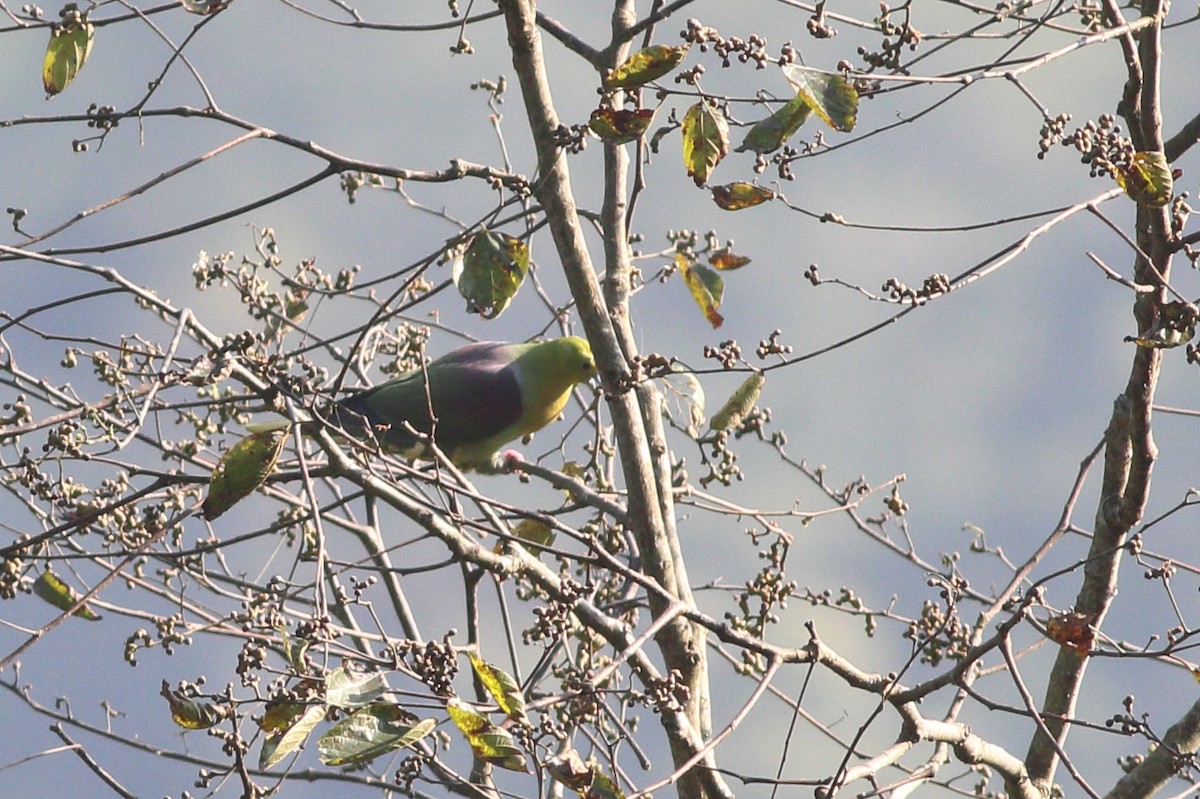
<point>576,353</point>
<point>546,373</point>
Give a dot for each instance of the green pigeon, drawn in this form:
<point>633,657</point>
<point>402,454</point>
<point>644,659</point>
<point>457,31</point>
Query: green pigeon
<point>482,395</point>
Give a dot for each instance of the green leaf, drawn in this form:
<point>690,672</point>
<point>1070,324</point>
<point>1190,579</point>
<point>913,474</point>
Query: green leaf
<point>294,650</point>
<point>770,134</point>
<point>287,726</point>
<point>370,732</point>
<point>705,140</point>
<point>1148,180</point>
<point>645,66</point>
<point>620,125</point>
<point>501,686</point>
<point>833,98</point>
<point>69,47</point>
<point>62,596</point>
<point>740,194</point>
<point>739,404</point>
<point>706,286</point>
<point>489,271</point>
<point>190,714</point>
<point>603,787</point>
<point>242,470</point>
<point>489,742</point>
<point>348,689</point>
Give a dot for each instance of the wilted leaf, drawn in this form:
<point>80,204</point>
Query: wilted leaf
<point>705,140</point>
<point>1148,181</point>
<point>205,7</point>
<point>645,66</point>
<point>69,47</point>
<point>726,260</point>
<point>1073,630</point>
<point>348,689</point>
<point>1174,324</point>
<point>295,308</point>
<point>287,726</point>
<point>740,403</point>
<point>739,195</point>
<point>489,271</point>
<point>501,686</point>
<point>706,286</point>
<point>370,732</point>
<point>832,97</point>
<point>683,399</point>
<point>488,742</point>
<point>620,125</point>
<point>242,469</point>
<point>770,134</point>
<point>190,714</point>
<point>569,769</point>
<point>62,596</point>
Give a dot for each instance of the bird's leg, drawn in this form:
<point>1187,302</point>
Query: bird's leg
<point>503,462</point>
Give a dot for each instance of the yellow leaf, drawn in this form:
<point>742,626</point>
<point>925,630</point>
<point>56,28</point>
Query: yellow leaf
<point>706,286</point>
<point>488,742</point>
<point>739,404</point>
<point>242,470</point>
<point>534,534</point>
<point>490,271</point>
<point>501,686</point>
<point>69,47</point>
<point>62,596</point>
<point>620,125</point>
<point>727,261</point>
<point>833,98</point>
<point>739,195</point>
<point>769,134</point>
<point>705,140</point>
<point>645,66</point>
<point>190,714</point>
<point>1148,181</point>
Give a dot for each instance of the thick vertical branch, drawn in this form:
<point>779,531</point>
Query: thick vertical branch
<point>646,501</point>
<point>690,659</point>
<point>1130,451</point>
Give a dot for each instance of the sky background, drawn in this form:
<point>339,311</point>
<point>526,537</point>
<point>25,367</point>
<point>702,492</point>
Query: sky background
<point>987,399</point>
